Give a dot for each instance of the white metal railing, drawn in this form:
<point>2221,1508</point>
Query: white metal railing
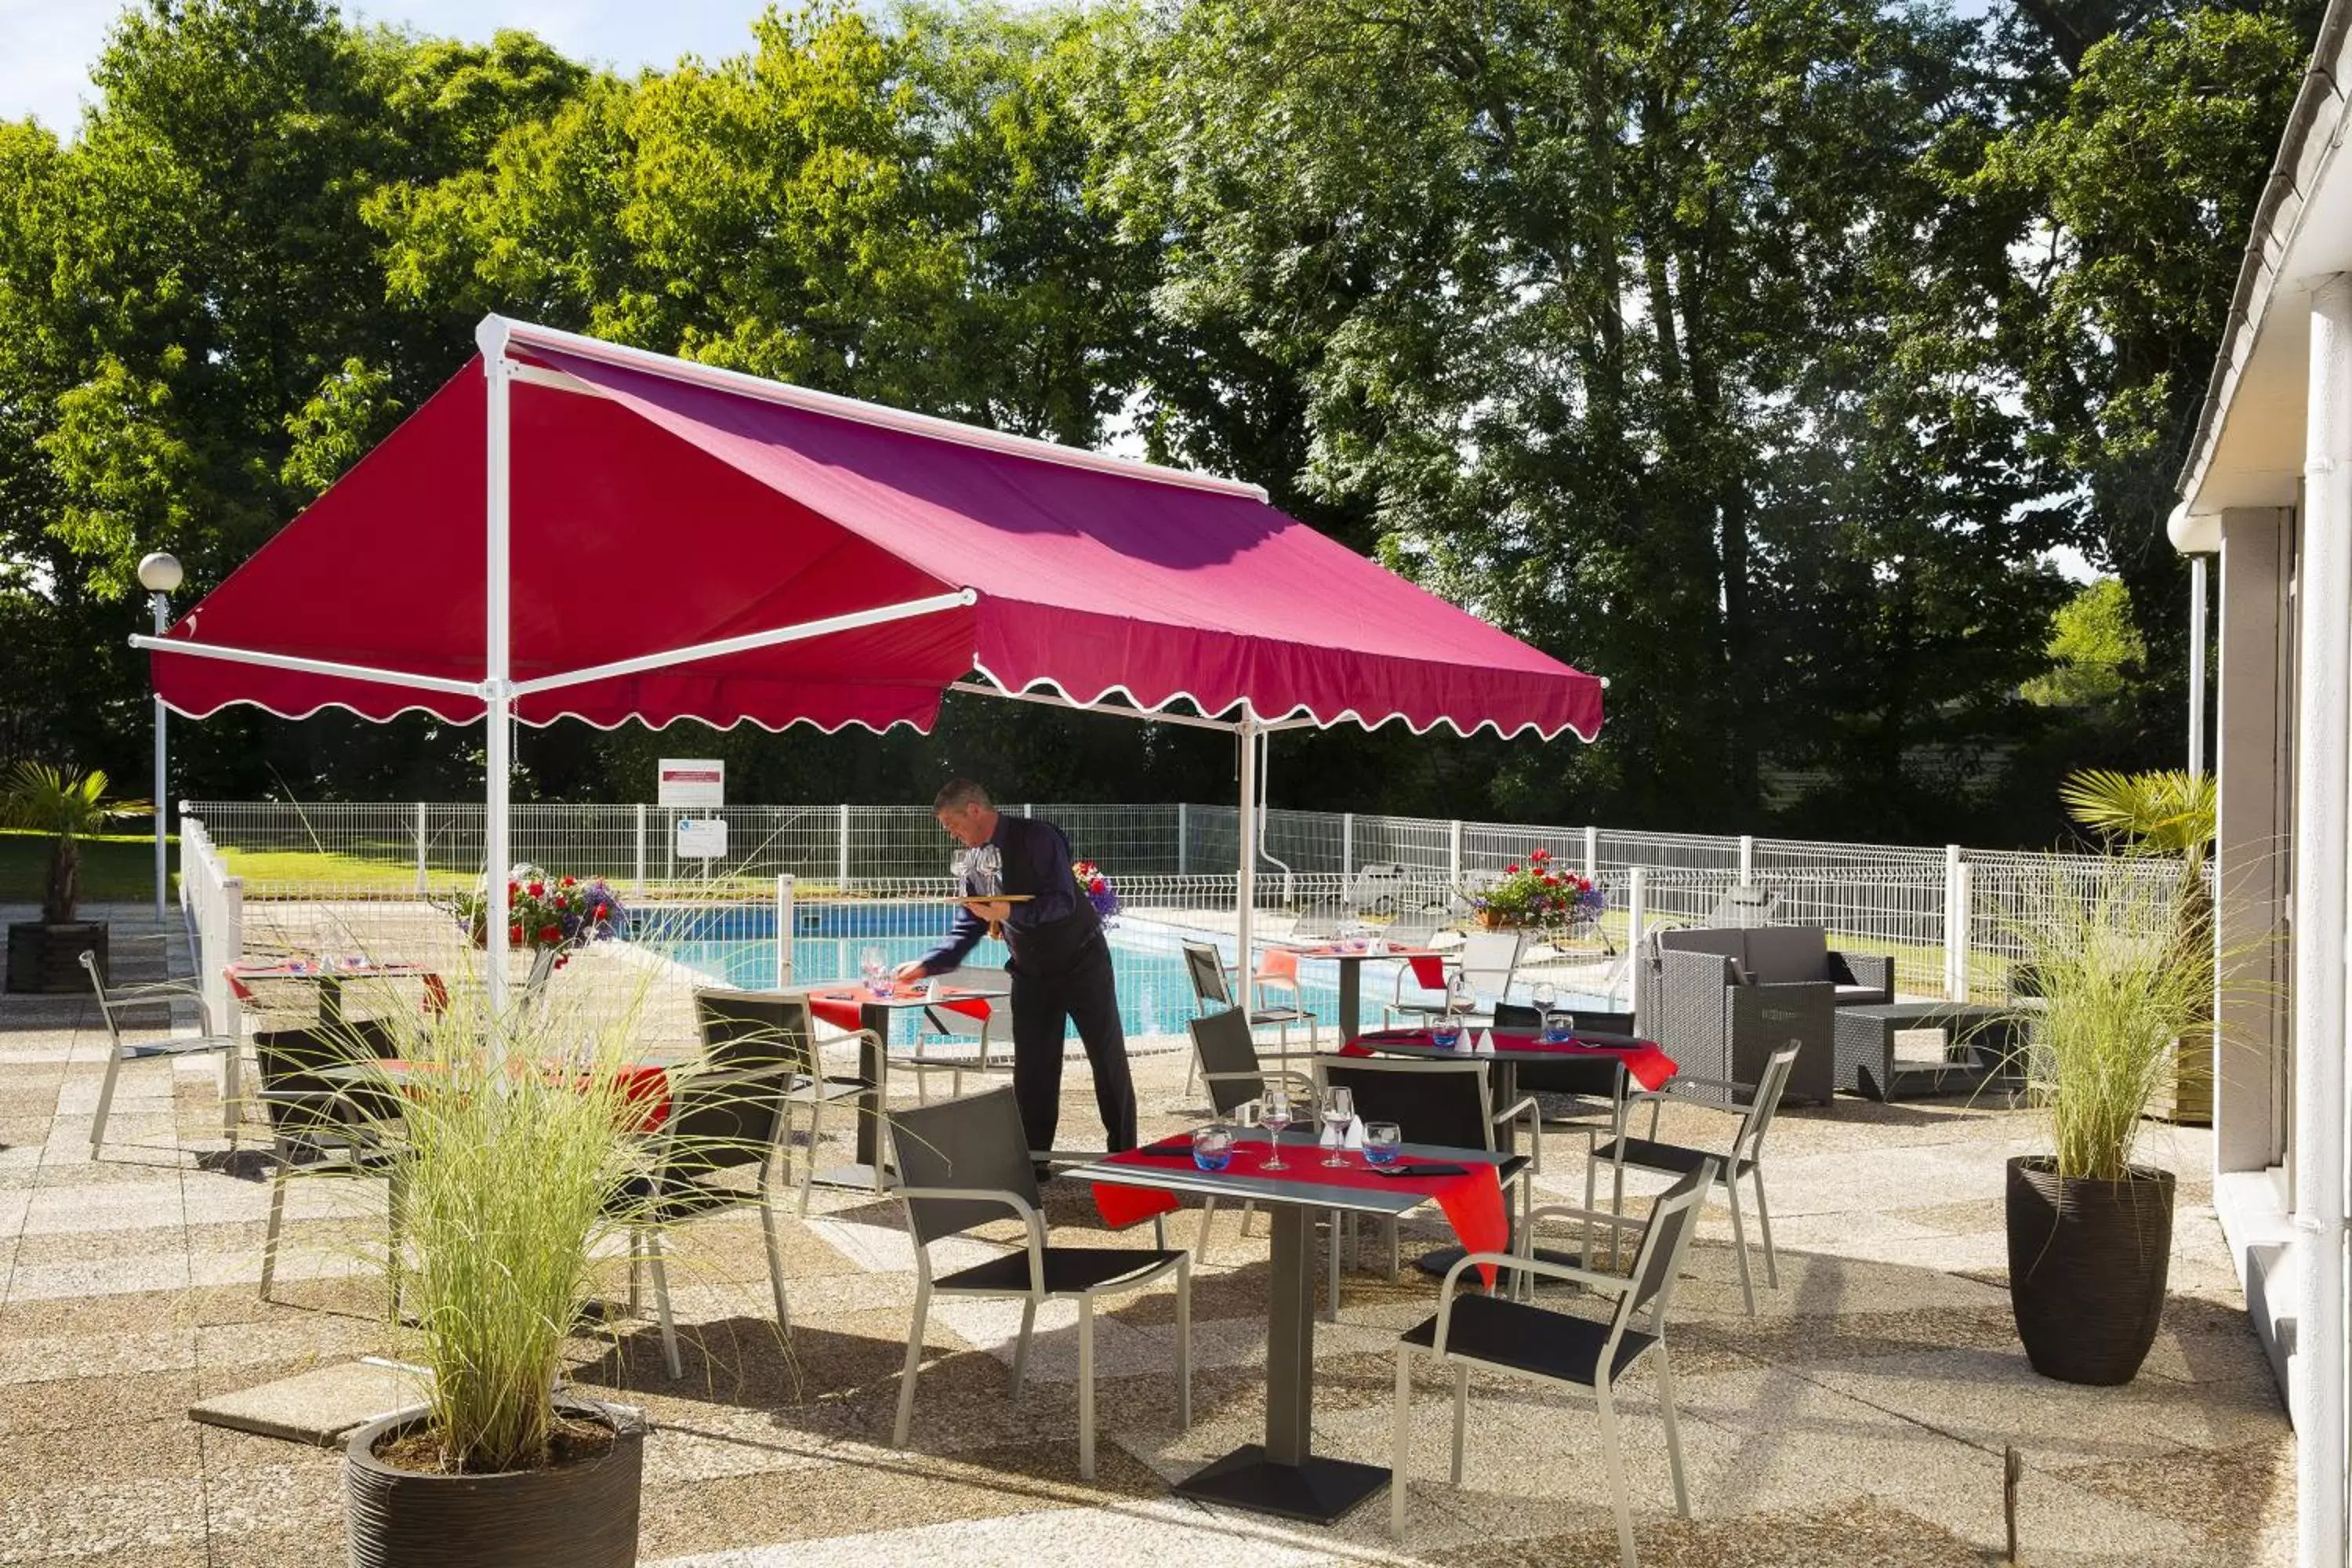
<point>214,902</point>
<point>1949,916</point>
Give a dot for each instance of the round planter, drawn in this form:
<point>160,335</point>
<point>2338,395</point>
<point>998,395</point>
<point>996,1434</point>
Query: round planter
<point>43,957</point>
<point>580,1515</point>
<point>2087,1265</point>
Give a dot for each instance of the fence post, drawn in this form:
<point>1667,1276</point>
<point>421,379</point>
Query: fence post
<point>1956,934</point>
<point>784,930</point>
<point>1183,839</point>
<point>1346,842</point>
<point>841,873</point>
<point>1453,854</point>
<point>1028,810</point>
<point>420,849</point>
<point>225,940</point>
<point>641,849</point>
<point>1637,914</point>
<point>1591,851</point>
<point>1747,858</point>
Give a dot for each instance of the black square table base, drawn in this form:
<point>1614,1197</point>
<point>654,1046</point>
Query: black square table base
<point>1319,1491</point>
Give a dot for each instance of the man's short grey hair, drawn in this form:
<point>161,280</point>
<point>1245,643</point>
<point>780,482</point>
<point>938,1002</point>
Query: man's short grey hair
<point>956,793</point>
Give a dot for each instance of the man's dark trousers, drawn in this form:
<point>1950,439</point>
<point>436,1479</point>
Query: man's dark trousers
<point>1078,990</point>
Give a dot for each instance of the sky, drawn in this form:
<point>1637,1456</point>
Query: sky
<point>46,46</point>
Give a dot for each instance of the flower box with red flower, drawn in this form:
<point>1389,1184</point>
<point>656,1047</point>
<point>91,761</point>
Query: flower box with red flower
<point>544,912</point>
<point>1538,893</point>
<point>1097,890</point>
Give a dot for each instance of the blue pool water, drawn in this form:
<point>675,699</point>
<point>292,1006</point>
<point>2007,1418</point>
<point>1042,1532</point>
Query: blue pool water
<point>737,945</point>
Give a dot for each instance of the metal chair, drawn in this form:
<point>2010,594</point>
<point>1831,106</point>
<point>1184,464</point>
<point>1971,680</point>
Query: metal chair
<point>1486,965</point>
<point>119,1051</point>
<point>1743,1161</point>
<point>1226,1059</point>
<point>965,1162</point>
<point>1567,1089</point>
<point>721,1119</point>
<point>1213,993</point>
<point>320,1125</point>
<point>981,1046</point>
<point>748,1030</point>
<point>1536,1343</point>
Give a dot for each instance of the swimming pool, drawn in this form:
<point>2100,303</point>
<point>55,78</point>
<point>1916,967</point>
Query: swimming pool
<point>737,945</point>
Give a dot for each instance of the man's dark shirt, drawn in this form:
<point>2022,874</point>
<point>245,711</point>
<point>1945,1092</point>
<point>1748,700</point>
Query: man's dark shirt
<point>1049,927</point>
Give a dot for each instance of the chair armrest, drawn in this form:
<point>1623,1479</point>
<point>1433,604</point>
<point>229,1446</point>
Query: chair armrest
<point>1586,1216</point>
<point>1021,1206</point>
<point>141,990</point>
<point>1526,1106</point>
<point>1263,1075</point>
<point>1605,1284</point>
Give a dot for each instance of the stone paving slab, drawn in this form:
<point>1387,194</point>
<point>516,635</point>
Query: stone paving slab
<point>322,1406</point>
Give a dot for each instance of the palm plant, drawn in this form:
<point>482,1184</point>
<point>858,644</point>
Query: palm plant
<point>72,806</point>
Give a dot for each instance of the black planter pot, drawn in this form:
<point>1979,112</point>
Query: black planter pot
<point>2087,1265</point>
<point>43,957</point>
<point>573,1516</point>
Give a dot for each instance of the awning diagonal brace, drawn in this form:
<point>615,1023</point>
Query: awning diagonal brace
<point>310,665</point>
<point>878,615</point>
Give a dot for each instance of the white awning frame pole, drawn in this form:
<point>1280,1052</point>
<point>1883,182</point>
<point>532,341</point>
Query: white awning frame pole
<point>1245,889</point>
<point>2196,660</point>
<point>498,694</point>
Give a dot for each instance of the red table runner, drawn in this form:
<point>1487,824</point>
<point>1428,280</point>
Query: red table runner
<point>1471,1203</point>
<point>644,1086</point>
<point>839,1005</point>
<point>1647,1065</point>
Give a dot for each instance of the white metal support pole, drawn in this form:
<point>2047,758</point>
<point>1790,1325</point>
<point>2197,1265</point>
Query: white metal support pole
<point>784,930</point>
<point>1028,810</point>
<point>1346,842</point>
<point>641,849</point>
<point>2317,1391</point>
<point>498,715</point>
<point>420,849</point>
<point>1956,948</point>
<point>161,603</point>
<point>2197,656</point>
<point>1245,889</point>
<point>841,871</point>
<point>1747,858</point>
<point>1637,916</point>
<point>1591,851</point>
<point>1956,935</point>
<point>1453,854</point>
<point>1183,839</point>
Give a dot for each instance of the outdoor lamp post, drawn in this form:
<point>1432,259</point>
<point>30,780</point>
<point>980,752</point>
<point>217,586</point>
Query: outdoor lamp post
<point>159,574</point>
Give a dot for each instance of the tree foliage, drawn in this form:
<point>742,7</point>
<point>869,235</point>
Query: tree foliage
<point>1753,356</point>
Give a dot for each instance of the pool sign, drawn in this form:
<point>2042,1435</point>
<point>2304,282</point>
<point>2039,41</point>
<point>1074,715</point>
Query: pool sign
<point>702,838</point>
<point>690,784</point>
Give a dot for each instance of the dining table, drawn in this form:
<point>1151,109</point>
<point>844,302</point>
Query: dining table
<point>868,1011</point>
<point>1283,1475</point>
<point>1351,955</point>
<point>330,974</point>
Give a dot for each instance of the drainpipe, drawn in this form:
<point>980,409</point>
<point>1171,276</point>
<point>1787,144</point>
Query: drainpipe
<point>2317,1390</point>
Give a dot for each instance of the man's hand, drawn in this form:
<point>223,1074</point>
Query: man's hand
<point>995,911</point>
<point>908,973</point>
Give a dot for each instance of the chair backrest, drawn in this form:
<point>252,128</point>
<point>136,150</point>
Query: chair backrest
<point>1318,921</point>
<point>743,1029</point>
<point>105,1007</point>
<point>1658,1261</point>
<point>1489,959</point>
<point>1516,1016</point>
<point>1431,1100</point>
<point>1221,1043</point>
<point>1206,969</point>
<point>543,969</point>
<point>1779,956</point>
<point>1277,964</point>
<point>722,1117</point>
<point>1749,1141</point>
<point>975,1142</point>
<point>1411,931</point>
<point>296,1062</point>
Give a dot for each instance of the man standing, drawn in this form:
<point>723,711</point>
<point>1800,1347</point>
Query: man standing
<point>1060,965</point>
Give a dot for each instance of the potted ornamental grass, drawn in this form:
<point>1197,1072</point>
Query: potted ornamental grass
<point>2090,1227</point>
<point>512,1167</point>
<point>46,954</point>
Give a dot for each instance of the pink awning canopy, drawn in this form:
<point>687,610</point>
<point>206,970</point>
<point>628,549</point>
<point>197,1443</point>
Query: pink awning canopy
<point>658,507</point>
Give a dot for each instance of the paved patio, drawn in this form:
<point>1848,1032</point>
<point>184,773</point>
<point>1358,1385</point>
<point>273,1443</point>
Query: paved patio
<point>1860,1420</point>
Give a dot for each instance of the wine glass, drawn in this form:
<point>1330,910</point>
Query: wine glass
<point>877,970</point>
<point>1543,998</point>
<point>1274,1115</point>
<point>1338,1111</point>
<point>1382,1140</point>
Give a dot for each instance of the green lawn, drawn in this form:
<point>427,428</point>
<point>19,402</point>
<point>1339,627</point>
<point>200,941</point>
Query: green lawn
<point>117,868</point>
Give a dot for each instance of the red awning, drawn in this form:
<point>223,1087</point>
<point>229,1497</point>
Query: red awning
<point>658,506</point>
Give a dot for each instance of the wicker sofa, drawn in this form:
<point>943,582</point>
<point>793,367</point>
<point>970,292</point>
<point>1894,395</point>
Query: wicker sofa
<point>1720,1002</point>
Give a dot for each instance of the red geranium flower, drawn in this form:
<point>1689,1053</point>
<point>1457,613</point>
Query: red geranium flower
<point>514,936</point>
<point>1512,870</point>
<point>550,934</point>
<point>1539,856</point>
<point>600,910</point>
<point>539,890</point>
<point>569,881</point>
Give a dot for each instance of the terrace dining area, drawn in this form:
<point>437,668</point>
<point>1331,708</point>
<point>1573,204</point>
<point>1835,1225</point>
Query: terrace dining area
<point>1855,1392</point>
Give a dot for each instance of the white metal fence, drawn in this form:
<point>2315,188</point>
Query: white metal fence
<point>1949,916</point>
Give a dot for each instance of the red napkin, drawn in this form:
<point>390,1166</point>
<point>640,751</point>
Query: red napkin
<point>1428,970</point>
<point>1471,1203</point>
<point>842,1006</point>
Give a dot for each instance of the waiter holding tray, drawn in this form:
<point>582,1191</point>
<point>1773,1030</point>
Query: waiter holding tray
<point>1060,965</point>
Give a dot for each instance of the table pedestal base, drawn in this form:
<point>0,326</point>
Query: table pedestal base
<point>1318,1491</point>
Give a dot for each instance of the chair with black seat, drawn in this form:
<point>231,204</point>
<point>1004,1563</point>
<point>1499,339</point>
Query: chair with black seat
<point>1226,1056</point>
<point>724,1119</point>
<point>747,1030</point>
<point>119,1050</point>
<point>1499,1335</point>
<point>1569,1089</point>
<point>321,1124</point>
<point>1742,1160</point>
<point>1441,1102</point>
<point>1212,992</point>
<point>953,1042</point>
<point>964,1163</point>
